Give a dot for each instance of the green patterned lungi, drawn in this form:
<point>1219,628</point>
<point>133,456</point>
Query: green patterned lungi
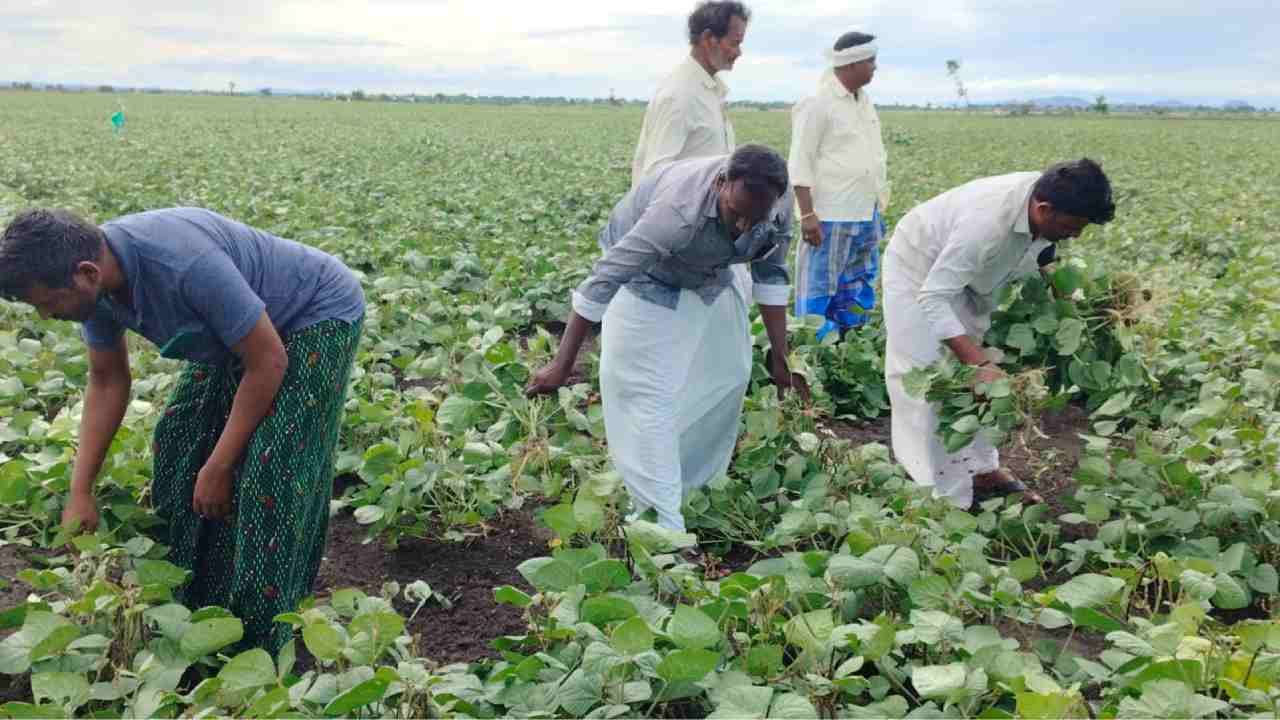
<point>262,560</point>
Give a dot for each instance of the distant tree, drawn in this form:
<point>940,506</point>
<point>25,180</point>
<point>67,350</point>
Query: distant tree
<point>231,88</point>
<point>264,92</point>
<point>1100,105</point>
<point>953,72</point>
<point>106,89</point>
<point>23,86</point>
<point>358,95</point>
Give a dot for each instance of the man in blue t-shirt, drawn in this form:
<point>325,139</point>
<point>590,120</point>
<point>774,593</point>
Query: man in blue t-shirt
<point>244,451</point>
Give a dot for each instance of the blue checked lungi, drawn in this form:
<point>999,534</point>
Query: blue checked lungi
<point>838,279</point>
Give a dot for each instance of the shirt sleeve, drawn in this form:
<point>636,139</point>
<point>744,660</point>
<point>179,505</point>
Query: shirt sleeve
<point>667,134</point>
<point>771,282</point>
<point>658,233</point>
<point>215,290</point>
<point>101,330</point>
<point>959,262</point>
<point>808,124</point>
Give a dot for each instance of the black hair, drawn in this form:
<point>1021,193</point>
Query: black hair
<point>760,169</point>
<point>44,247</point>
<point>715,16</point>
<point>852,39</point>
<point>1078,188</point>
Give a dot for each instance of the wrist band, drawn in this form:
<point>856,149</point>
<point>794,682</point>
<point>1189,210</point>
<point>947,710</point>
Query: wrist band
<point>807,215</point>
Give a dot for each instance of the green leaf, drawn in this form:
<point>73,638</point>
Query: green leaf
<point>209,636</point>
<point>1089,590</point>
<point>1069,336</point>
<point>55,642</point>
<point>508,595</point>
<point>604,609</point>
<point>1024,569</point>
<point>900,564</point>
<point>458,413</point>
<point>380,461</point>
<point>687,665</point>
<point>15,650</point>
<point>792,706</point>
<point>248,670</point>
<point>1115,405</point>
<point>580,692</point>
<point>323,641</point>
<point>967,425</point>
<point>938,681</point>
<point>1022,338</point>
<point>548,574</point>
<point>764,660</point>
<point>1197,585</point>
<point>605,575</point>
<point>632,637</point>
<point>850,573</point>
<point>561,520</point>
<point>1264,579</point>
<point>69,690</point>
<point>1170,699</point>
<point>161,572</point>
<point>657,539</point>
<point>1230,594</point>
<point>691,628</point>
<point>367,692</point>
<point>741,702</point>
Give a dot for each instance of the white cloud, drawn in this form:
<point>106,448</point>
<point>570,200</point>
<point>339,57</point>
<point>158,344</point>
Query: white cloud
<point>1010,48</point>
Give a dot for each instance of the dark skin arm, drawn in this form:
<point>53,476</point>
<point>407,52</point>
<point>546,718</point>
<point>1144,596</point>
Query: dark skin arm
<point>105,401</point>
<point>265,362</point>
<point>557,372</point>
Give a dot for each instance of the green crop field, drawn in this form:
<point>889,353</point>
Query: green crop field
<point>478,565</point>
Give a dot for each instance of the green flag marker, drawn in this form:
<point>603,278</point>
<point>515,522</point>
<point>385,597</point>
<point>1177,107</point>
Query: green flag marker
<point>117,121</point>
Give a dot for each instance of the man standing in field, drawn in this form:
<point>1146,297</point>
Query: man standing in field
<point>675,355</point>
<point>945,265</point>
<point>244,452</point>
<point>687,117</point>
<point>837,167</point>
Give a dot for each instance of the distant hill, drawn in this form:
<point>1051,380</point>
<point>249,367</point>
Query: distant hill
<point>1060,101</point>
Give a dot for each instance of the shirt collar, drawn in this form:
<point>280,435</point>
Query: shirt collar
<point>119,244</point>
<point>1022,224</point>
<point>708,81</point>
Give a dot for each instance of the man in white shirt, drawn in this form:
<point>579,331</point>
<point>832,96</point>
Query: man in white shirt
<point>944,267</point>
<point>687,117</point>
<point>837,167</point>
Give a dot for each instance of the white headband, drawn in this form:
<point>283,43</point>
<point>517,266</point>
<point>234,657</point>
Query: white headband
<point>850,55</point>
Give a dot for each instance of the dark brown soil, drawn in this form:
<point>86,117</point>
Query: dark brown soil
<point>1081,643</point>
<point>1045,461</point>
<point>466,573</point>
<point>12,590</point>
<point>871,431</point>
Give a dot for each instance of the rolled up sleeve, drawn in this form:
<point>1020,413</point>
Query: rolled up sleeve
<point>957,264</point>
<point>808,122</point>
<point>771,282</point>
<point>658,233</point>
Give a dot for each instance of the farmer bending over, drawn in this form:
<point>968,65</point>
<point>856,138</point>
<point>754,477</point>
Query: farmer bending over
<point>943,270</point>
<point>675,352</point>
<point>244,450</point>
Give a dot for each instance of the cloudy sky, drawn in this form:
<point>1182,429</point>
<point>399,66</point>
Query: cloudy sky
<point>1192,50</point>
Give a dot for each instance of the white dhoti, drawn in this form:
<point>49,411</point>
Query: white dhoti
<point>910,343</point>
<point>742,279</point>
<point>672,383</point>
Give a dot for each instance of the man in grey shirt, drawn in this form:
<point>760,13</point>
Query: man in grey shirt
<point>675,352</point>
<point>244,451</point>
